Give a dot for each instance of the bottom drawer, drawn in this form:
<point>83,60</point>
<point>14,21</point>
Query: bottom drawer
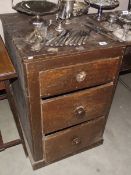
<point>74,139</point>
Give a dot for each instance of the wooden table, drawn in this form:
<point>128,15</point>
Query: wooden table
<point>7,72</point>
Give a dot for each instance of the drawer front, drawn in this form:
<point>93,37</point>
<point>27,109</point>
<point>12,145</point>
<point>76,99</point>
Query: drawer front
<point>70,78</point>
<point>68,110</point>
<point>72,140</point>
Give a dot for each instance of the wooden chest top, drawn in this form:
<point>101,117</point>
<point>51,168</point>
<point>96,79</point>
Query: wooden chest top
<point>19,25</point>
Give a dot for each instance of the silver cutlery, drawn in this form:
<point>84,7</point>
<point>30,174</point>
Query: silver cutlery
<point>70,38</point>
<point>57,43</point>
<point>74,39</point>
<point>66,38</point>
<point>81,40</point>
<point>57,38</point>
<point>77,39</point>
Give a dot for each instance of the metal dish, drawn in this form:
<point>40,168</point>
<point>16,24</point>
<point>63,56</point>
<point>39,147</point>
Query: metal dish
<point>105,4</point>
<point>125,17</point>
<point>110,24</point>
<point>80,8</point>
<point>36,7</point>
<point>122,35</point>
<point>110,27</point>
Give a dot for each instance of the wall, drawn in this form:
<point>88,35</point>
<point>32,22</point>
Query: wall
<point>5,7</point>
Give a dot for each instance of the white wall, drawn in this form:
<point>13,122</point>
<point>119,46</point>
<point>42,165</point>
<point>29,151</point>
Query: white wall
<point>5,7</point>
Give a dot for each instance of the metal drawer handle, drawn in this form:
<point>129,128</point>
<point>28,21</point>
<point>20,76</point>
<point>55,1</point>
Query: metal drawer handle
<point>81,76</point>
<point>80,111</point>
<point>76,141</point>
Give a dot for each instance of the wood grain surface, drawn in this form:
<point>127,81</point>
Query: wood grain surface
<point>75,108</point>
<point>65,79</point>
<point>72,140</point>
<point>6,68</point>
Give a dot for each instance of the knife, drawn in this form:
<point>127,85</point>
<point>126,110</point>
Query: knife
<point>66,38</point>
<point>61,39</point>
<point>74,39</point>
<point>77,39</point>
<point>51,40</point>
<point>85,39</point>
<point>100,31</point>
<point>81,40</point>
<point>62,34</point>
<point>56,39</point>
<point>70,38</point>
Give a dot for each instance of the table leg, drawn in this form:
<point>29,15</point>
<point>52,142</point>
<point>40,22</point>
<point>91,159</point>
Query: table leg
<point>15,114</point>
<point>1,143</point>
<point>4,146</point>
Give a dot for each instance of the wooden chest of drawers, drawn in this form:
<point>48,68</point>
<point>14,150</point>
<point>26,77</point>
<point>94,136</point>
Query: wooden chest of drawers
<point>62,97</point>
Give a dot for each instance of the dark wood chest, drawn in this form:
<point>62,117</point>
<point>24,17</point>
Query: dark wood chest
<point>62,95</point>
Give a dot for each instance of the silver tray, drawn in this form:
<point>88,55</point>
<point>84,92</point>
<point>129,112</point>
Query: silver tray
<point>36,7</point>
<point>104,4</point>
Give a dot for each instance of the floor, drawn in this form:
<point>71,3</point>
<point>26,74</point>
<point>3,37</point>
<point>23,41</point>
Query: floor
<point>112,158</point>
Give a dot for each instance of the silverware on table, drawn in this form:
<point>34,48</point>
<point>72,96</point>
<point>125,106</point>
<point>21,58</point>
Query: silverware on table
<point>61,38</point>
<point>81,40</point>
<point>66,38</point>
<point>100,30</point>
<point>77,39</point>
<point>74,39</point>
<point>54,40</point>
<point>85,39</point>
<point>51,40</point>
<point>58,38</point>
<point>70,38</point>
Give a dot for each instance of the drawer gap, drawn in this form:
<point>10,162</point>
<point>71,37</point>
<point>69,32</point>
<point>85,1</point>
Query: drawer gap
<point>74,91</point>
<point>54,132</point>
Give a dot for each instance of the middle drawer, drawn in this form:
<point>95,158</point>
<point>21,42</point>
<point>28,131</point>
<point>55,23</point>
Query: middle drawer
<point>68,110</point>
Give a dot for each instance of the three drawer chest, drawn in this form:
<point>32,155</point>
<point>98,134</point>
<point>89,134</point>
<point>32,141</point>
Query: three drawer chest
<point>63,94</point>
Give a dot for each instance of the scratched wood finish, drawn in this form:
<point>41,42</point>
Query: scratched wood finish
<point>72,140</point>
<point>28,93</point>
<point>72,109</point>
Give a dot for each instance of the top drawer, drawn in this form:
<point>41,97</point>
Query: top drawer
<point>66,79</point>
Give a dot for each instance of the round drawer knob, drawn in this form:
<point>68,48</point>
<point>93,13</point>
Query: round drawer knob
<point>76,141</point>
<point>80,111</point>
<point>81,76</point>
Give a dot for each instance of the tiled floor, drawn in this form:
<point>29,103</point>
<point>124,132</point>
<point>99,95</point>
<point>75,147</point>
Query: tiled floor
<point>112,158</point>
